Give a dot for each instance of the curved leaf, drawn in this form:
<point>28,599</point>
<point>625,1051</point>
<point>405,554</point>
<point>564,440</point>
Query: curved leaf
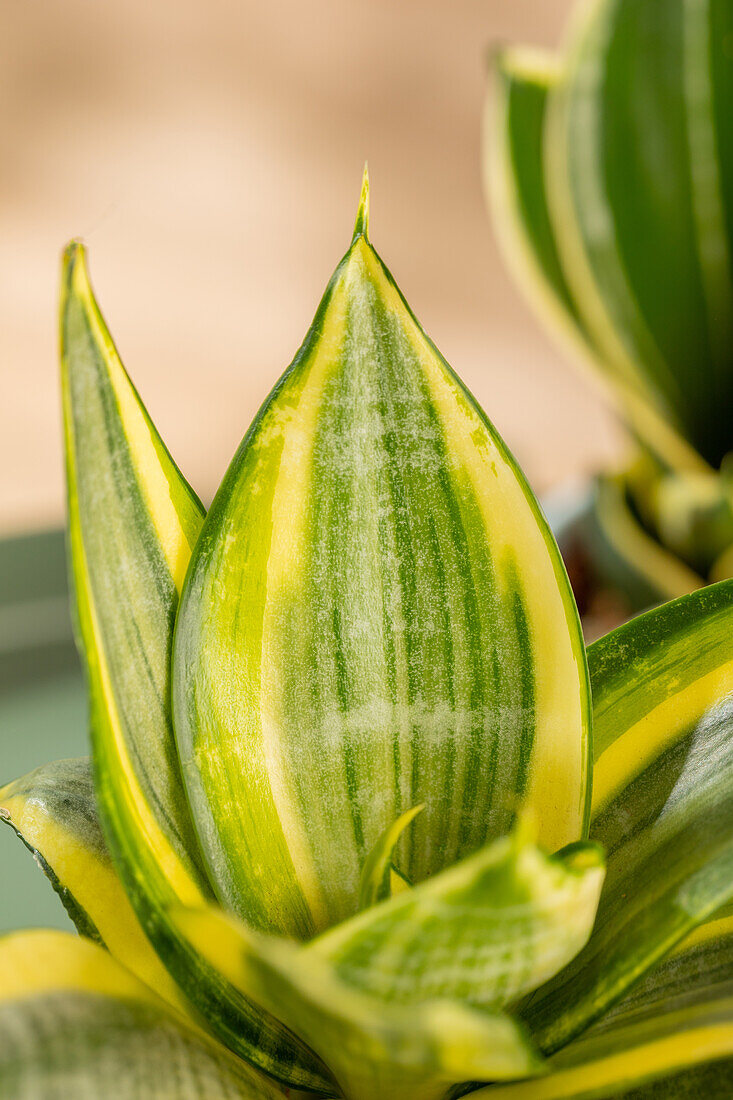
<point>374,1047</point>
<point>671,1036</point>
<point>662,801</point>
<point>54,813</point>
<point>517,191</point>
<point>626,555</point>
<point>485,931</point>
<point>378,875</point>
<point>403,631</point>
<point>640,178</point>
<point>74,1023</point>
<point>132,523</point>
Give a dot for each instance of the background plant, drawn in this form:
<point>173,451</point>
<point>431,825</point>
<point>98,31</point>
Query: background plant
<point>610,175</point>
<point>337,725</point>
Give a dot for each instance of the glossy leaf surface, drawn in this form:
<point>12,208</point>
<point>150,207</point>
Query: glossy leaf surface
<point>376,617</point>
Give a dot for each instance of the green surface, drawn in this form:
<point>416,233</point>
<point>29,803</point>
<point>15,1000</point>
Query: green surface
<point>42,704</point>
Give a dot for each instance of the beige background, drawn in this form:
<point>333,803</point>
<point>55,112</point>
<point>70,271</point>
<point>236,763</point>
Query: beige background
<point>210,154</point>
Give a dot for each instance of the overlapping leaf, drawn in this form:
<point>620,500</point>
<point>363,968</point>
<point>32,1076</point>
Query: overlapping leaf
<point>662,801</point>
<point>483,932</point>
<point>54,813</point>
<point>74,1023</point>
<point>626,554</point>
<point>374,1047</point>
<point>376,616</point>
<point>132,523</point>
<point>671,1036</point>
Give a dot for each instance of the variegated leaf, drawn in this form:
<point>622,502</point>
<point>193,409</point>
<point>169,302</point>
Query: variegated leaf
<point>662,801</point>
<point>53,811</point>
<point>73,1023</point>
<point>379,877</point>
<point>484,932</point>
<point>376,616</point>
<point>671,1037</point>
<point>515,167</point>
<point>640,181</point>
<point>376,1048</point>
<point>133,521</point>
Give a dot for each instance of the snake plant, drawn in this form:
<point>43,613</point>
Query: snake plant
<point>610,175</point>
<point>344,830</point>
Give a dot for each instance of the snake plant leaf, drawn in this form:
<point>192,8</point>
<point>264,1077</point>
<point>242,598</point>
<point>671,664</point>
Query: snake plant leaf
<point>684,1049</point>
<point>53,811</point>
<point>671,1036</point>
<point>662,801</point>
<point>693,516</point>
<point>75,1023</point>
<point>640,178</point>
<point>403,632</point>
<point>484,932</point>
<point>374,1047</point>
<point>132,523</point>
<point>516,184</point>
<point>625,553</point>
<point>379,877</point>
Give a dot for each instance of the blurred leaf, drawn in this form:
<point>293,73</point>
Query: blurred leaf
<point>515,168</point>
<point>75,1024</point>
<point>640,178</point>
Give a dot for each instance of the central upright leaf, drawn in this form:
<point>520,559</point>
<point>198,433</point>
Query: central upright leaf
<point>376,616</point>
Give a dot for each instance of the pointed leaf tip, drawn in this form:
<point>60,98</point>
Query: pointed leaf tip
<point>361,226</point>
<point>74,264</point>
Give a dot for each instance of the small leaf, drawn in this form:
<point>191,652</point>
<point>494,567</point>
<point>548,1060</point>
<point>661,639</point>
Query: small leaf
<point>53,811</point>
<point>132,523</point>
<point>378,873</point>
<point>484,932</point>
<point>662,801</point>
<point>375,1048</point>
<point>376,616</point>
<point>73,1023</point>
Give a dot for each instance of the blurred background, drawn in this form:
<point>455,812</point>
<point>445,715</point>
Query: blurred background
<point>210,154</point>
